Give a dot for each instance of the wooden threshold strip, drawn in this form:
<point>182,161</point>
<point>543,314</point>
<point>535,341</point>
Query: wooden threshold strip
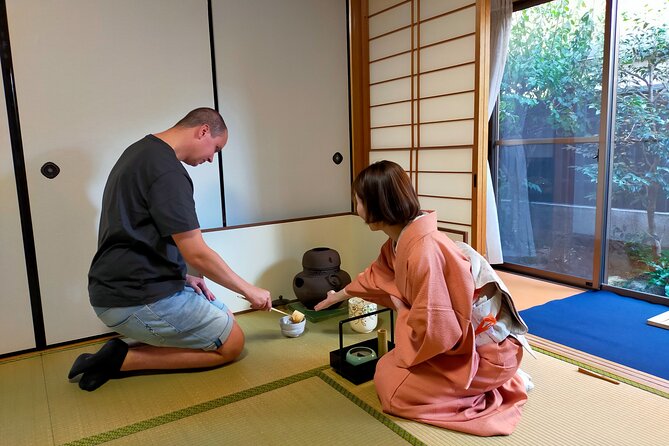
<point>618,370</point>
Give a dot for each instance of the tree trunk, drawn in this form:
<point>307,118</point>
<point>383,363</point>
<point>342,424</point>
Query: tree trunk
<point>652,192</point>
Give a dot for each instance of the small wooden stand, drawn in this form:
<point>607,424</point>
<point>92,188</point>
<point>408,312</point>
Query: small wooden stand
<point>661,320</point>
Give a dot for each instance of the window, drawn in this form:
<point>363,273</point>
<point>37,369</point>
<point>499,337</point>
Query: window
<point>559,111</point>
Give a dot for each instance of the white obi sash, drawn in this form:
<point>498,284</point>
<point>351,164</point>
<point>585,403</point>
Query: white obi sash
<point>494,315</point>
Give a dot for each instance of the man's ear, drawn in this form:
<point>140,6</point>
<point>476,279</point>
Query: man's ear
<point>203,130</point>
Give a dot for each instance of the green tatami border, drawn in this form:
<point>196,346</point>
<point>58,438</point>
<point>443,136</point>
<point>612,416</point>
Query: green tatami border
<point>180,414</point>
<point>379,416</point>
<point>318,372</point>
<point>193,410</point>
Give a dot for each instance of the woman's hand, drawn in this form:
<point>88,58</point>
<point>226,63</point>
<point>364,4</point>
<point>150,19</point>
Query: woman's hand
<point>200,287</point>
<point>332,298</point>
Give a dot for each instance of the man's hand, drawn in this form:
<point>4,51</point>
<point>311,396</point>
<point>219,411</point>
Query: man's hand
<point>332,298</point>
<point>260,299</point>
<point>200,287</point>
<point>202,258</point>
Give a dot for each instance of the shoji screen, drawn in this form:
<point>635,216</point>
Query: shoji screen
<point>422,101</point>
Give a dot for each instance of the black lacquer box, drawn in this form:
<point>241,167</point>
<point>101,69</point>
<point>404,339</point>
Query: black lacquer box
<point>362,372</point>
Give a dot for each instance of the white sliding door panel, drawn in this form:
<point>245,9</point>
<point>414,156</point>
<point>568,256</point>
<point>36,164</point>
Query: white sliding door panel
<point>282,75</point>
<point>207,192</point>
<point>94,76</point>
<point>16,324</point>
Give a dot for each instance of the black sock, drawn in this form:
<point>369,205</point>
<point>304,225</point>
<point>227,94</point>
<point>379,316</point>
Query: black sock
<point>108,359</point>
<point>93,379</point>
<point>78,363</point>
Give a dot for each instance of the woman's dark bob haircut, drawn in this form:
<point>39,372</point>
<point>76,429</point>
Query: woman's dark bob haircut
<point>386,193</point>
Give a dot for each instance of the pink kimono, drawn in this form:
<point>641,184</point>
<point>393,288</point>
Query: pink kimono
<point>436,374</point>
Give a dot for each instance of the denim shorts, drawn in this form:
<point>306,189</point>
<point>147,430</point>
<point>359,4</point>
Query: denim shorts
<point>184,319</point>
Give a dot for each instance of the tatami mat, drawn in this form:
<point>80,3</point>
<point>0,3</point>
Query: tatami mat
<point>266,396</point>
<point>268,356</point>
<point>24,409</point>
<point>619,372</point>
<point>309,412</point>
<point>565,408</point>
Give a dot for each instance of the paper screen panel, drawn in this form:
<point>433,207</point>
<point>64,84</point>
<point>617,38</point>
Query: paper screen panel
<point>393,91</point>
<point>400,157</point>
<point>391,68</point>
<point>451,80</point>
<point>448,27</point>
<point>458,160</point>
<point>392,114</point>
<point>432,8</point>
<point>390,20</point>
<point>439,90</point>
<point>459,133</point>
<point>390,44</point>
<point>451,185</point>
<point>391,137</point>
<point>376,6</point>
<point>444,108</point>
<point>453,52</point>
<point>449,210</point>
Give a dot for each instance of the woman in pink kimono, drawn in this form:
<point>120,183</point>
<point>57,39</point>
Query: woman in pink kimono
<point>436,373</point>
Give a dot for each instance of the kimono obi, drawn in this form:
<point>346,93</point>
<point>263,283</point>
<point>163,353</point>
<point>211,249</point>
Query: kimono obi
<point>494,315</point>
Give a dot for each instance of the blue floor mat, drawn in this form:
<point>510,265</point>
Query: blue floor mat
<point>607,325</point>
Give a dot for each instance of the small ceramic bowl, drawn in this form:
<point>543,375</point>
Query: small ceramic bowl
<point>291,329</point>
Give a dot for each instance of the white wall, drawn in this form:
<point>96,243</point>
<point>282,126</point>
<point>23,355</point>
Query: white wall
<point>270,256</point>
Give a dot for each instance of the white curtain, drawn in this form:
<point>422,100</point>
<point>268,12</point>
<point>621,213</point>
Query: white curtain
<point>500,31</point>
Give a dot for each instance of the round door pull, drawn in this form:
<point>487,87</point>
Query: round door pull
<point>337,158</point>
<point>50,170</point>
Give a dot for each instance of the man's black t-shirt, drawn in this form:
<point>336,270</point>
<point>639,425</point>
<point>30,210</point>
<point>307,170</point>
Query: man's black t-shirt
<point>147,198</point>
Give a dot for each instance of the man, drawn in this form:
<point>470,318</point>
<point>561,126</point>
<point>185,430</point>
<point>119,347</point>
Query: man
<point>138,284</point>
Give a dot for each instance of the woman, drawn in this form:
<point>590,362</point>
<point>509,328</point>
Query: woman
<point>436,374</point>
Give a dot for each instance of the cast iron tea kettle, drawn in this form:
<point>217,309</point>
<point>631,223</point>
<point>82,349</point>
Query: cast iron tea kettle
<point>321,274</point>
